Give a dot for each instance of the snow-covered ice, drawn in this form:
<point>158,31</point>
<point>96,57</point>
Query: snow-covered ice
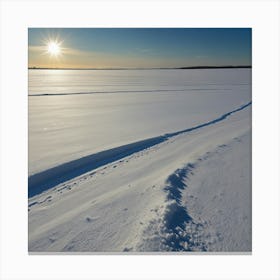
<point>140,160</point>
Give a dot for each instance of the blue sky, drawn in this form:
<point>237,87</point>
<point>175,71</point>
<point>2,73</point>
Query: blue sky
<point>140,47</point>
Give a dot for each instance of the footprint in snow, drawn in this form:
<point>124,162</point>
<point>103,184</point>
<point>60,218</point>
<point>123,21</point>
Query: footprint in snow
<point>90,219</point>
<point>127,249</point>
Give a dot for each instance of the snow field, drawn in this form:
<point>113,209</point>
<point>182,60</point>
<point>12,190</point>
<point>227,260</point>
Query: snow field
<point>115,207</point>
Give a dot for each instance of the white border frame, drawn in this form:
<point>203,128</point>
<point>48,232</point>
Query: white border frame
<point>262,16</point>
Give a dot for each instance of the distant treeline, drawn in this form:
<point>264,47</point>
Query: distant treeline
<point>215,67</point>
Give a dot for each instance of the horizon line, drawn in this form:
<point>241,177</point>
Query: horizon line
<point>142,68</point>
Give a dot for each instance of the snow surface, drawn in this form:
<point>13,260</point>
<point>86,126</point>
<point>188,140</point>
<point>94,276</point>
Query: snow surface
<point>173,173</point>
<point>133,106</point>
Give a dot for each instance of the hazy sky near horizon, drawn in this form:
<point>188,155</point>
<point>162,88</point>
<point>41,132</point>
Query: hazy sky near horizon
<point>139,47</point>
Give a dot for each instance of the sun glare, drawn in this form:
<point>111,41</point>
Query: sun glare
<point>53,48</point>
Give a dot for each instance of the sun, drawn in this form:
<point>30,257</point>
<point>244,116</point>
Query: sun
<point>53,48</point>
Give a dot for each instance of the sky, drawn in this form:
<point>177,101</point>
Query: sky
<point>138,47</point>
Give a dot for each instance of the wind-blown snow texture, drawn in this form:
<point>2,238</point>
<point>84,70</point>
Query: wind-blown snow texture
<point>150,160</point>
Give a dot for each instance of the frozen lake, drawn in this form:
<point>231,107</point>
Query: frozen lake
<point>74,113</point>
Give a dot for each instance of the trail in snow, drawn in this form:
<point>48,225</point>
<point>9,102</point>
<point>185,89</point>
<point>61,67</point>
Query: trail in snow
<point>47,179</point>
<point>140,204</point>
<point>129,91</point>
<point>213,216</point>
<point>168,231</point>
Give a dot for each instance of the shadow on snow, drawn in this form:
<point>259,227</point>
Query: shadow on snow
<point>47,179</point>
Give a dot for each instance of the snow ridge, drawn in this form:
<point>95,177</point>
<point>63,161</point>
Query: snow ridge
<point>176,230</point>
<point>49,178</point>
<point>176,217</point>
